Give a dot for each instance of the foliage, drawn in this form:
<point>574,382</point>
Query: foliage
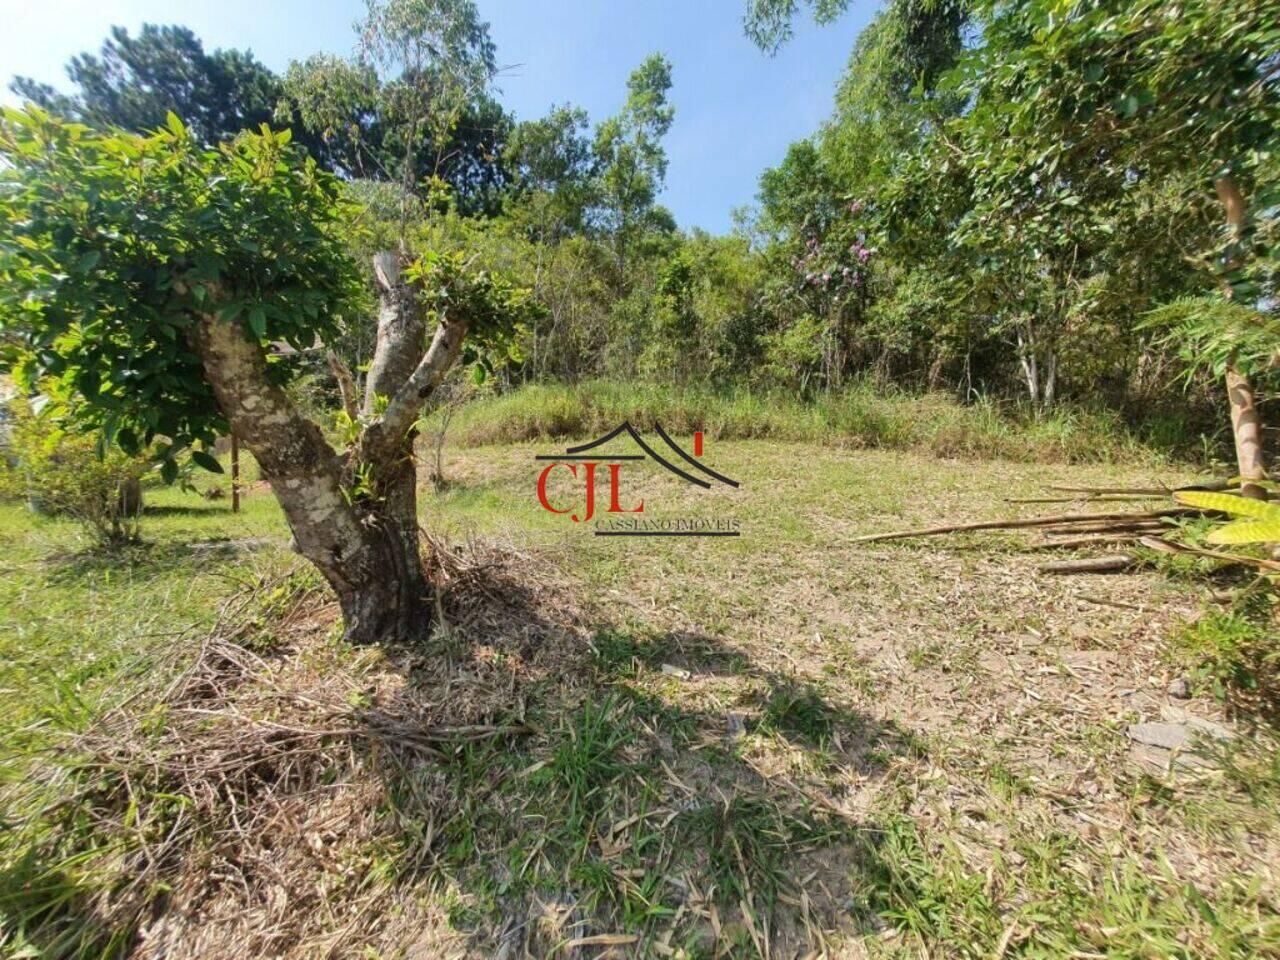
<point>862,414</point>
<point>1031,176</point>
<point>1260,523</point>
<point>135,82</point>
<point>1234,655</point>
<point>497,310</point>
<point>1002,188</point>
<point>64,473</point>
<point>111,245</point>
<point>632,163</point>
<point>412,105</point>
<point>1211,334</point>
<point>769,22</point>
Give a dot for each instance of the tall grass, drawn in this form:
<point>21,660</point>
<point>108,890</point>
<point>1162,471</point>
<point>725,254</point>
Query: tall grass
<point>860,416</point>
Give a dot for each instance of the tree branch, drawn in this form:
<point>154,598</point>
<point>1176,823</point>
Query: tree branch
<point>304,471</point>
<point>402,412</point>
<point>346,385</point>
<point>401,330</point>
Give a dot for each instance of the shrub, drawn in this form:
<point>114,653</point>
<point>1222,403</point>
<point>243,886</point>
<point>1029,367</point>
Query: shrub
<point>62,473</point>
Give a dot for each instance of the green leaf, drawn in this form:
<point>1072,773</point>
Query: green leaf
<point>229,311</point>
<point>89,260</point>
<point>128,441</point>
<point>1229,504</point>
<point>206,460</point>
<point>169,471</point>
<point>1247,531</point>
<point>258,322</point>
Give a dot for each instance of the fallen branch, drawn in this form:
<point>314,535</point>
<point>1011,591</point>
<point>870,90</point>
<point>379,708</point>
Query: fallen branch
<point>1091,498</point>
<point>1093,540</point>
<point>1115,563</point>
<point>1020,524</point>
<point>1160,491</point>
<point>1165,546</point>
<point>1079,529</point>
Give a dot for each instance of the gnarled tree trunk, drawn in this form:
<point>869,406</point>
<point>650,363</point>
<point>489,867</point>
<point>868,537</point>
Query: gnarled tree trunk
<point>354,516</point>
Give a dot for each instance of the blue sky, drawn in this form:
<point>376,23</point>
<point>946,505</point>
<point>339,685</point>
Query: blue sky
<point>736,109</point>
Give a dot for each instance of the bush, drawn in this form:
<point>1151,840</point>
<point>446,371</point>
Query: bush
<point>59,473</point>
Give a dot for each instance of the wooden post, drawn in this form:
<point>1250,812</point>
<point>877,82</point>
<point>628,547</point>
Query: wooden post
<point>235,474</point>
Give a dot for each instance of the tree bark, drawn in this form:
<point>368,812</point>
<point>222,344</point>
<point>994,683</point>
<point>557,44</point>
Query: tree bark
<point>401,332</point>
<point>367,552</point>
<point>1246,426</point>
<point>1247,429</point>
<point>354,517</point>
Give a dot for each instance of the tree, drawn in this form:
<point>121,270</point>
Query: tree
<point>552,168</point>
<point>135,82</point>
<point>412,104</point>
<point>152,275</point>
<point>631,161</point>
<point>1077,108</point>
<point>769,22</point>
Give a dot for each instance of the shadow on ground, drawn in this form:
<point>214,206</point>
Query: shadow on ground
<point>529,783</point>
<point>629,793</point>
<point>146,556</point>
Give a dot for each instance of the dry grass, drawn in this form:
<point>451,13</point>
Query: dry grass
<point>788,746</point>
<point>232,812</point>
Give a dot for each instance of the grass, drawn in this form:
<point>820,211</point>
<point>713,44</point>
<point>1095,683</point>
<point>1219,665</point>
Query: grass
<point>75,617</point>
<point>862,415</point>
<point>1232,655</point>
<point>783,741</point>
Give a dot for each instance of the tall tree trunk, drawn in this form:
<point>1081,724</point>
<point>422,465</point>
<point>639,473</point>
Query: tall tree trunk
<point>1246,426</point>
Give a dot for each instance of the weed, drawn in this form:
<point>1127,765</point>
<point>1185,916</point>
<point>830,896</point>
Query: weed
<point>1233,654</point>
<point>862,415</point>
<point>795,710</point>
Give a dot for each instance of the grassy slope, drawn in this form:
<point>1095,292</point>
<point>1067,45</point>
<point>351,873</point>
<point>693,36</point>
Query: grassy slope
<point>933,754</point>
<point>862,415</point>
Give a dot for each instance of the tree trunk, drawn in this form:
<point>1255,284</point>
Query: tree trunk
<point>368,558</point>
<point>1247,428</point>
<point>1246,425</point>
<point>393,604</point>
<point>354,517</point>
<point>401,331</point>
<point>1030,373</point>
<point>1049,390</point>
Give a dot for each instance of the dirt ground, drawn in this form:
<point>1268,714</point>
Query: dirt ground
<point>782,744</point>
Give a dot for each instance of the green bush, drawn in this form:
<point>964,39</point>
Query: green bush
<point>61,473</point>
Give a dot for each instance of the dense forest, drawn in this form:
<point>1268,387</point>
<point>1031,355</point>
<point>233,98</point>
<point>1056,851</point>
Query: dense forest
<point>1014,200</point>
